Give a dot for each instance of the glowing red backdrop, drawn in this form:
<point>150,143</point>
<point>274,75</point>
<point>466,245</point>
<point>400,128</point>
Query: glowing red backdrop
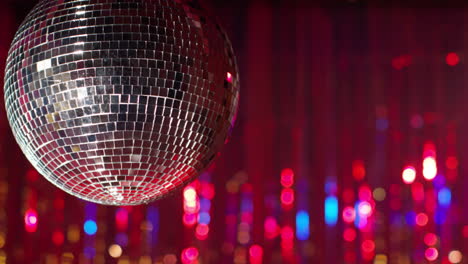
<point>349,148</point>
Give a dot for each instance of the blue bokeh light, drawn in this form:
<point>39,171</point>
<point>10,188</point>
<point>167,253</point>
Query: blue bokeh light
<point>90,227</point>
<point>331,210</point>
<point>445,196</point>
<point>302,225</point>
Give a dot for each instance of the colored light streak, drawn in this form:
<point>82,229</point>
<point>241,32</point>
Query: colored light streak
<point>30,220</point>
<point>287,178</point>
<point>90,227</point>
<point>302,225</point>
<point>331,210</point>
<point>431,254</point>
<point>189,255</point>
<point>409,174</point>
<point>444,197</point>
<point>429,168</point>
<point>349,214</point>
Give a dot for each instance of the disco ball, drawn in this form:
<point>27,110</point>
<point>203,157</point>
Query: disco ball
<point>120,102</point>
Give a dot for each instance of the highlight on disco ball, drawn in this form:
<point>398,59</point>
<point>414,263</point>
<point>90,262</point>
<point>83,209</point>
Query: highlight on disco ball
<point>120,102</point>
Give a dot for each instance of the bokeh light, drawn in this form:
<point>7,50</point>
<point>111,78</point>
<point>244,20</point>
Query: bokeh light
<point>115,251</point>
<point>429,168</point>
<point>90,227</point>
<point>430,239</point>
<point>431,254</point>
<point>455,256</point>
<point>409,174</point>
<point>30,220</point>
<point>452,59</point>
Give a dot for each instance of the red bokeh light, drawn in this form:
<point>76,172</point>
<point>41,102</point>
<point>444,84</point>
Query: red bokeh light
<point>287,178</point>
<point>359,171</point>
<point>121,219</point>
<point>349,214</point>
<point>256,254</point>
<point>58,238</point>
<point>287,237</point>
<point>189,219</point>
<point>431,254</point>
<point>451,163</point>
<point>368,246</point>
<point>30,220</point>
<point>452,59</point>
<point>430,239</point>
<point>365,193</point>
<point>271,227</point>
<point>417,191</point>
<point>287,197</point>
<point>422,219</point>
<point>189,255</point>
<point>349,234</point>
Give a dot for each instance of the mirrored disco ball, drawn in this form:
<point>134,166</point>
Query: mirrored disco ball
<point>120,101</point>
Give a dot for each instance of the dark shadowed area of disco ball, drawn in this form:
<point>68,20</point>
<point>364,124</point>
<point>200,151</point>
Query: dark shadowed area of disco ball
<point>120,102</point>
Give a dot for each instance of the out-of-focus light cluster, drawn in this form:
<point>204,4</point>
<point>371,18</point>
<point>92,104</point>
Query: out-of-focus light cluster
<point>206,194</point>
<point>189,255</point>
<point>256,254</point>
<point>246,214</point>
<point>191,205</point>
<point>287,193</point>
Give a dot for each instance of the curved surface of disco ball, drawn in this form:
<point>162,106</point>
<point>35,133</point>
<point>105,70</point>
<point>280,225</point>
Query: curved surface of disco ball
<point>120,102</point>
